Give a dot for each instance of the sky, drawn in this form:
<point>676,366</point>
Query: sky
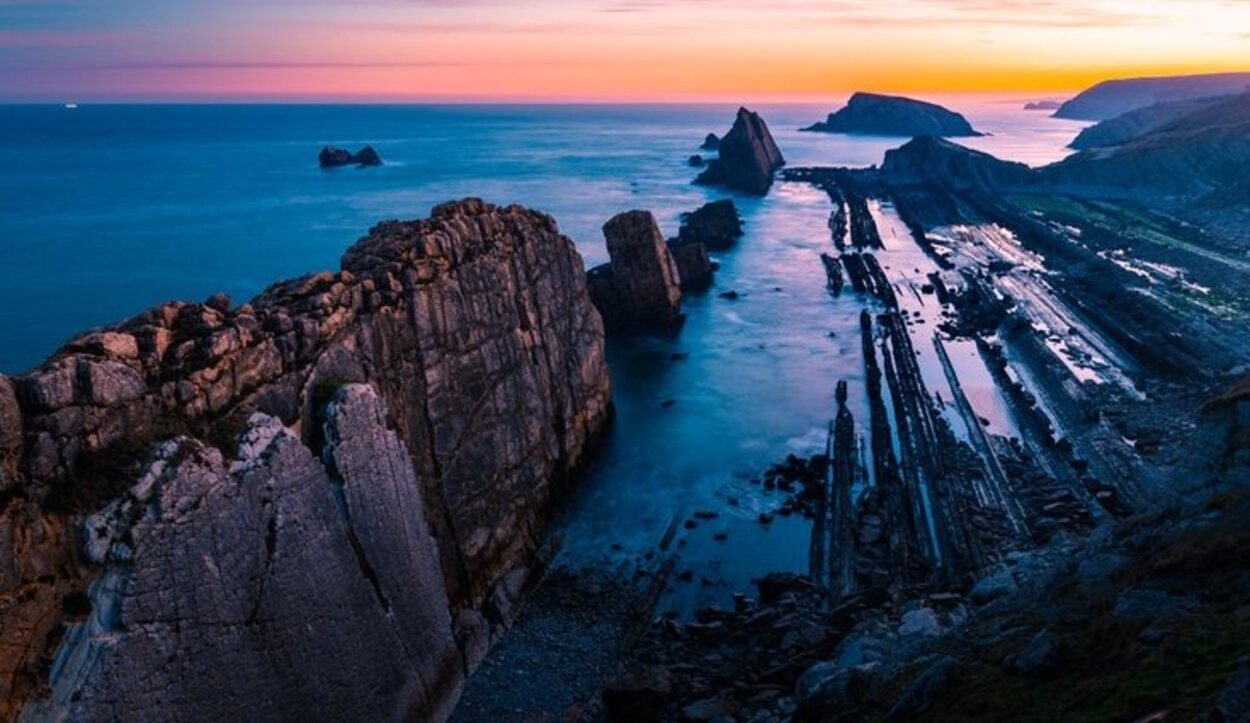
<point>598,50</point>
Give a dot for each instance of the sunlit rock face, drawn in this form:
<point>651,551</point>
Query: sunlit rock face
<point>358,459</point>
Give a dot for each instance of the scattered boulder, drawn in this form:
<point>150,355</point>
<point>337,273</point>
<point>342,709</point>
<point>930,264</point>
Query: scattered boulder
<point>747,157</point>
<point>640,288</point>
<point>695,161</point>
<point>920,622</point>
<point>332,157</point>
<point>830,687</point>
<point>926,689</point>
<point>1038,658</point>
<point>993,587</point>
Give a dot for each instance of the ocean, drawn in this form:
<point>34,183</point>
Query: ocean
<point>106,210</point>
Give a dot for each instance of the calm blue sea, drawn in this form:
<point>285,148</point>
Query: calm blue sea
<point>105,210</point>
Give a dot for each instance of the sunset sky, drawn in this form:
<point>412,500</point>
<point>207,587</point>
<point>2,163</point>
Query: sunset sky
<point>598,49</point>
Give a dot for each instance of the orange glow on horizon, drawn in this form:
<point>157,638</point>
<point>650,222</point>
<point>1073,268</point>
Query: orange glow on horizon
<point>623,50</point>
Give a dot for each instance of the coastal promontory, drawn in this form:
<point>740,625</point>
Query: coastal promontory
<point>323,502</point>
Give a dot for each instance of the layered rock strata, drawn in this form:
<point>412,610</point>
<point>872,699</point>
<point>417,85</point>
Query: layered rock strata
<point>349,479</point>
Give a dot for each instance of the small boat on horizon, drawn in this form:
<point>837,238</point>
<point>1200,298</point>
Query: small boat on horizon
<point>71,106</point>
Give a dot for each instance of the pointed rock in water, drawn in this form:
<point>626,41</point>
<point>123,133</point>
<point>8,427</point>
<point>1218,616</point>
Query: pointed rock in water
<point>711,143</point>
<point>640,288</point>
<point>748,157</point>
<point>886,115</point>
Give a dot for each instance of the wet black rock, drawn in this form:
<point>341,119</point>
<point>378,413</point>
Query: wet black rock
<point>716,225</point>
<point>695,161</point>
<point>332,157</point>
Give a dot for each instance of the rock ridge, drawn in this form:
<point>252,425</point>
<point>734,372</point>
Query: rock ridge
<point>473,329</point>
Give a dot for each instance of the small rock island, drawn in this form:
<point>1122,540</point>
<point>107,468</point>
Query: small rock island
<point>887,115</point>
<point>332,157</point>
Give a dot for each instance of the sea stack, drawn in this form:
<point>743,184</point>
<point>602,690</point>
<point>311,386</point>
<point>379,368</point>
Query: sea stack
<point>640,288</point>
<point>331,157</point>
<point>748,157</point>
<point>887,115</point>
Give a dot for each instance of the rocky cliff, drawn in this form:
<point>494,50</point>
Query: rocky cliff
<point>321,504</point>
<point>886,115</point>
<point>1193,156</point>
<point>1136,123</point>
<point>748,156</point>
<point>1114,97</point>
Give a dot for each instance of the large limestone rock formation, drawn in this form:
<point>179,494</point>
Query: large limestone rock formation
<point>748,156</point>
<point>640,288</point>
<point>362,466</point>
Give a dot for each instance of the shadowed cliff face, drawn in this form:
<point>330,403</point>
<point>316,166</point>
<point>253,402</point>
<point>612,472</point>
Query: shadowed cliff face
<point>405,425</point>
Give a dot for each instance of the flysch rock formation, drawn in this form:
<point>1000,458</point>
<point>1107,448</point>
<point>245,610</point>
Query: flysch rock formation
<point>747,157</point>
<point>640,288</point>
<point>344,482</point>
